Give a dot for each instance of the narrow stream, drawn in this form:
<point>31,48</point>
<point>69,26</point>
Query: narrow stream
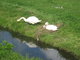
<point>30,49</point>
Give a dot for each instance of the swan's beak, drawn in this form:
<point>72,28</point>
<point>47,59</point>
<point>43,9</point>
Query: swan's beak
<point>46,23</point>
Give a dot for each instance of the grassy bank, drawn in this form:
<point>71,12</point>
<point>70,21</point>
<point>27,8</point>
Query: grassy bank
<point>67,37</point>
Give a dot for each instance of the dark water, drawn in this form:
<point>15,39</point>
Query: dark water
<point>31,49</point>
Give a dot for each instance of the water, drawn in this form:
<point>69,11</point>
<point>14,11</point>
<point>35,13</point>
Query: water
<point>28,48</point>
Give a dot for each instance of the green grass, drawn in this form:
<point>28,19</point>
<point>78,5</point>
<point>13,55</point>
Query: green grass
<point>67,37</point>
<point>6,53</point>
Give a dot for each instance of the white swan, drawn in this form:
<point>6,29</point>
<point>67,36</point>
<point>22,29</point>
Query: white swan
<point>50,27</point>
<point>31,20</point>
<point>47,26</point>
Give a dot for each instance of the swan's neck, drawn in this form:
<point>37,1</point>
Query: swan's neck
<point>22,18</point>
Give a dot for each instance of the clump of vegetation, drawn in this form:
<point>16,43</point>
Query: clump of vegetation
<point>6,53</point>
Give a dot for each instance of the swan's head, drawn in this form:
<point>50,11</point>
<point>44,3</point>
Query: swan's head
<point>46,23</point>
<point>18,20</point>
<point>44,26</point>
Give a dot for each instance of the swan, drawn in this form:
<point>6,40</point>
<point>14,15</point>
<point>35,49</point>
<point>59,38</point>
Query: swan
<point>47,26</point>
<point>50,27</point>
<point>31,19</point>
